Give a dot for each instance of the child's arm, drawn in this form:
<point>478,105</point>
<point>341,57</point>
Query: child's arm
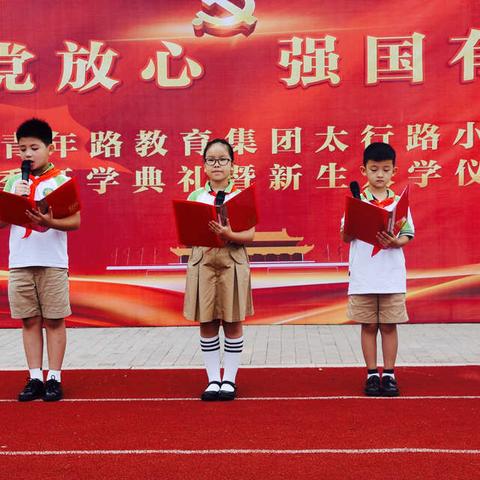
<point>226,233</point>
<point>46,220</point>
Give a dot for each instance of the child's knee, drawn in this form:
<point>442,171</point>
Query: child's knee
<point>370,328</point>
<point>32,322</point>
<point>388,328</point>
<point>54,323</point>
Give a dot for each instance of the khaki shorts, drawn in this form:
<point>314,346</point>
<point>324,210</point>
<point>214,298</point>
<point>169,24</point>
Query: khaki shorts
<point>377,308</point>
<point>39,292</point>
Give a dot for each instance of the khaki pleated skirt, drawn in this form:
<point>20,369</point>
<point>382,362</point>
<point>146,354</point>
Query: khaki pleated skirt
<point>218,285</point>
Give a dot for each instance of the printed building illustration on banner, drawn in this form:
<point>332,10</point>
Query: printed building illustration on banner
<point>276,246</point>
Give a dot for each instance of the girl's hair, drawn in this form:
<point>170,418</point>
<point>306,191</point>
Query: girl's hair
<point>221,141</point>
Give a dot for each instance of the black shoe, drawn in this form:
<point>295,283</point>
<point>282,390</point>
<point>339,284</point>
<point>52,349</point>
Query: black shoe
<point>372,386</point>
<point>389,386</point>
<point>225,394</point>
<point>53,391</point>
<point>33,389</point>
<point>210,395</point>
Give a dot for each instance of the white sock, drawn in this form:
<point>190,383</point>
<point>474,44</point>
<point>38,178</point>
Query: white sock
<point>388,375</point>
<point>231,360</point>
<point>211,357</point>
<point>36,373</point>
<point>55,374</point>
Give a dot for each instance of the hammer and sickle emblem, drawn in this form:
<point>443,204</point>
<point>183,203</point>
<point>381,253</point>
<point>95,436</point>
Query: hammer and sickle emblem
<point>238,20</point>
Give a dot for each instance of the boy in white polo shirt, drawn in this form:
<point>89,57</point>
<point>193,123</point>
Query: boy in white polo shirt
<point>377,285</point>
<point>38,265</point>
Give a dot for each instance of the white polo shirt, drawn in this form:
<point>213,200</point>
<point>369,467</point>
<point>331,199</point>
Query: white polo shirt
<point>385,272</point>
<point>40,249</point>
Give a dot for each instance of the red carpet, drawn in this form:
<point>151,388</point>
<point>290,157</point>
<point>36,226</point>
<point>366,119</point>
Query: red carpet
<point>345,427</point>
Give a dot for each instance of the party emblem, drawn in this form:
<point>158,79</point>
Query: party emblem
<point>223,18</point>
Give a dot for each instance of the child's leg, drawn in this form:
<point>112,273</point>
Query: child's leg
<point>232,353</point>
<point>56,345</point>
<point>389,344</point>
<point>389,347</point>
<point>210,345</point>
<point>369,344</point>
<point>33,342</point>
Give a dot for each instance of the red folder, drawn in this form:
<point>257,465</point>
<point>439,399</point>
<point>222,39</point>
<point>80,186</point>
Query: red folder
<point>13,208</point>
<point>241,210</point>
<point>63,200</point>
<point>364,220</point>
<point>192,218</point>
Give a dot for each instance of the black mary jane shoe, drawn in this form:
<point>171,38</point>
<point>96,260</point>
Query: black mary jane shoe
<point>211,395</point>
<point>225,394</point>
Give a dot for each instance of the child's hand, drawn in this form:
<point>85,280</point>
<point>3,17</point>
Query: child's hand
<point>387,240</point>
<point>22,188</point>
<point>223,231</point>
<point>42,219</point>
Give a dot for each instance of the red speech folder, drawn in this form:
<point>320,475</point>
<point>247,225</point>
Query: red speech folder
<point>192,218</point>
<point>63,200</point>
<point>364,220</point>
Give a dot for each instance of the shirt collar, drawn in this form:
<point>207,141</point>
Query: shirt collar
<point>228,189</point>
<point>370,197</point>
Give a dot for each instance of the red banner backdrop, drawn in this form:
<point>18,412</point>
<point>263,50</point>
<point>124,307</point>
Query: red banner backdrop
<point>134,90</point>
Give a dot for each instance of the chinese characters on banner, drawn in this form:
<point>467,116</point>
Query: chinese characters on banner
<point>308,61</point>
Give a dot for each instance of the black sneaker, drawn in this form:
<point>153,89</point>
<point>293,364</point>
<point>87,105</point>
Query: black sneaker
<point>372,386</point>
<point>33,389</point>
<point>53,391</point>
<point>389,386</point>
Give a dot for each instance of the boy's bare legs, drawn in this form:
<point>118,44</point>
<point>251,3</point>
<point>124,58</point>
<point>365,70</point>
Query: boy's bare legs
<point>369,344</point>
<point>389,348</point>
<point>210,345</point>
<point>56,342</point>
<point>389,344</point>
<point>33,341</point>
<point>33,345</point>
<point>369,349</point>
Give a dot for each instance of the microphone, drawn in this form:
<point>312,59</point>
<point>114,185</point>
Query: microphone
<point>26,168</point>
<point>221,210</point>
<point>355,189</point>
<point>220,197</point>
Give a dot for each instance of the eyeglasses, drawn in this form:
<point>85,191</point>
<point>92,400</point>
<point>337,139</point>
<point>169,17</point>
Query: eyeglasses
<point>210,161</point>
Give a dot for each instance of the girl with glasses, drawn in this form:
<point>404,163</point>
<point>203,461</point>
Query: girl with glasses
<point>218,290</point>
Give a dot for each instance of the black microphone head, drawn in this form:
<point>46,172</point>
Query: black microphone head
<point>220,197</point>
<point>355,189</point>
<point>26,168</point>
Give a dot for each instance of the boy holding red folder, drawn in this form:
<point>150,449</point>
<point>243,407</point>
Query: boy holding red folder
<point>377,284</point>
<point>38,264</point>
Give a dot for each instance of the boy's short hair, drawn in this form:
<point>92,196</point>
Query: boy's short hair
<point>223,142</point>
<point>35,128</point>
<point>378,151</point>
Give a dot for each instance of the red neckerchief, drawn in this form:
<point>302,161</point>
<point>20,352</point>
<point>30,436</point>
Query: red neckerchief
<point>52,172</point>
<point>383,203</point>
